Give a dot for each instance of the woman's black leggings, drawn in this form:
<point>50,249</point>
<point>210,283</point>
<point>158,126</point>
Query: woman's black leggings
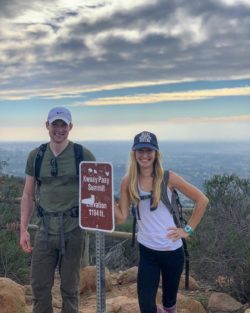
<point>153,263</point>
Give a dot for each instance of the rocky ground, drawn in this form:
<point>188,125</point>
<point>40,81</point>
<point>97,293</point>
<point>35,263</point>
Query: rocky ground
<point>119,289</point>
<point>121,295</point>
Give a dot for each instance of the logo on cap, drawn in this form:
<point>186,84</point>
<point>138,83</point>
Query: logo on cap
<point>145,137</point>
<point>59,112</point>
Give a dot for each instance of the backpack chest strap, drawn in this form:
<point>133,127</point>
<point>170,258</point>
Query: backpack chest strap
<point>145,197</point>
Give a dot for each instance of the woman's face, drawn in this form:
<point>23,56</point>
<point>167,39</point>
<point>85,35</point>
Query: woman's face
<point>145,157</point>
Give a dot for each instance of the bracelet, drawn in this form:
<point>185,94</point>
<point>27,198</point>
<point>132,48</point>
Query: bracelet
<point>188,229</point>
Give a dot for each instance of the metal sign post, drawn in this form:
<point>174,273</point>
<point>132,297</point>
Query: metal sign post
<point>97,212</point>
<point>100,273</point>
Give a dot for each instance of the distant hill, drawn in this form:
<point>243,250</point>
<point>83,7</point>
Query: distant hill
<point>196,162</point>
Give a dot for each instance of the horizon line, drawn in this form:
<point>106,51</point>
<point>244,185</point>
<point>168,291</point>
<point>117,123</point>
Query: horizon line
<point>129,140</point>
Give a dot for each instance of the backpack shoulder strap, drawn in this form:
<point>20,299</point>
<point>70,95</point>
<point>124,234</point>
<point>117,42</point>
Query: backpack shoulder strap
<point>164,192</point>
<point>79,155</point>
<point>39,159</point>
<point>172,204</point>
<point>166,177</point>
<point>78,151</point>
<point>133,211</point>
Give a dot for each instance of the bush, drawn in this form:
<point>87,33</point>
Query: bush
<point>222,244</point>
<point>13,262</point>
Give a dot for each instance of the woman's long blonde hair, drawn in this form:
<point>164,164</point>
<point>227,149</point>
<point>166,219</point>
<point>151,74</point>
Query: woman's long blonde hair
<point>133,172</point>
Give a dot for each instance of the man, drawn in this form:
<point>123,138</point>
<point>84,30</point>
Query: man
<point>59,240</point>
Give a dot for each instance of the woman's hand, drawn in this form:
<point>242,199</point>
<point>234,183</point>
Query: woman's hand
<point>175,233</point>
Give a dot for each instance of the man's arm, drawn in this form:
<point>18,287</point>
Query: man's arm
<point>27,208</point>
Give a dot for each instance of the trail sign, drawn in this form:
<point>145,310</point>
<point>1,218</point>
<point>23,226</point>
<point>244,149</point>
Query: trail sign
<point>96,196</point>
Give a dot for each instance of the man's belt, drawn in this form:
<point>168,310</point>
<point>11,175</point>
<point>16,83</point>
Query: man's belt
<point>45,215</point>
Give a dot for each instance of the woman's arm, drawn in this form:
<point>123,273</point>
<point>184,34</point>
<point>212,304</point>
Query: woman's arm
<point>122,208</point>
<point>193,193</point>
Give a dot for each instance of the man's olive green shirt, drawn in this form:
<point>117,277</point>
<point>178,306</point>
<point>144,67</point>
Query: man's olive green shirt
<point>59,193</point>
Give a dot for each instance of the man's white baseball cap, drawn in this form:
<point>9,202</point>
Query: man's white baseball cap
<point>59,113</point>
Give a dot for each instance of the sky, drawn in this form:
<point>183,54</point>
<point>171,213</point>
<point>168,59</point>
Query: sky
<point>180,69</point>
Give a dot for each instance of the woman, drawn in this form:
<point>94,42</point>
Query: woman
<point>160,243</point>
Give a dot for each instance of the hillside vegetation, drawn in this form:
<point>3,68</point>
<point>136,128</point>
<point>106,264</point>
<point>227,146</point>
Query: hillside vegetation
<point>220,246</point>
<point>222,242</point>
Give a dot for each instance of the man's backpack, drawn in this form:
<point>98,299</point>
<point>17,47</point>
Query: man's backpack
<point>175,208</point>
<point>78,151</point>
<point>73,212</point>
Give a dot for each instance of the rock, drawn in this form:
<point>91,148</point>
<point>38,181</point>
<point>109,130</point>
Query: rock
<point>88,279</point>
<point>27,290</point>
<point>185,304</point>
<point>188,305</point>
<point>122,304</point>
<point>193,285</point>
<point>57,303</point>
<point>222,302</point>
<point>128,276</point>
<point>28,294</point>
<point>132,291</point>
<point>247,311</point>
<point>12,298</point>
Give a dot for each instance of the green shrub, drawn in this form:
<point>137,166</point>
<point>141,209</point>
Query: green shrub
<point>222,243</point>
<point>13,262</point>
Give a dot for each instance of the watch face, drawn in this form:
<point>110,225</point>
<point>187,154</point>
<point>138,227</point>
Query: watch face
<point>188,229</point>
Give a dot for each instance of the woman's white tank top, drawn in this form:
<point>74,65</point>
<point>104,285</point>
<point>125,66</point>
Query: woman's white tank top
<point>153,225</point>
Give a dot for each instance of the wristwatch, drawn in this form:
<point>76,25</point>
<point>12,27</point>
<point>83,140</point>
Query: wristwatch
<point>188,229</point>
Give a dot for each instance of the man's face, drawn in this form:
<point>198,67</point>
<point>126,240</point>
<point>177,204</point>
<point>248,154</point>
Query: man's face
<point>58,130</point>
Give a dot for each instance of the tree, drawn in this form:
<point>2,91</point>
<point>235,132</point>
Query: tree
<point>223,238</point>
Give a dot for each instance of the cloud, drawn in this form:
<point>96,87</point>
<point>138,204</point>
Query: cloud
<point>77,91</point>
<point>171,96</point>
<point>235,2</point>
<point>235,126</point>
<point>95,43</point>
<point>227,128</point>
<point>94,55</point>
<point>199,120</point>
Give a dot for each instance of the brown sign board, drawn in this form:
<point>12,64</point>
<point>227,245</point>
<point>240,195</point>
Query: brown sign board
<point>96,196</point>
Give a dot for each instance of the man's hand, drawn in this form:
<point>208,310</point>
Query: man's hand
<point>25,242</point>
